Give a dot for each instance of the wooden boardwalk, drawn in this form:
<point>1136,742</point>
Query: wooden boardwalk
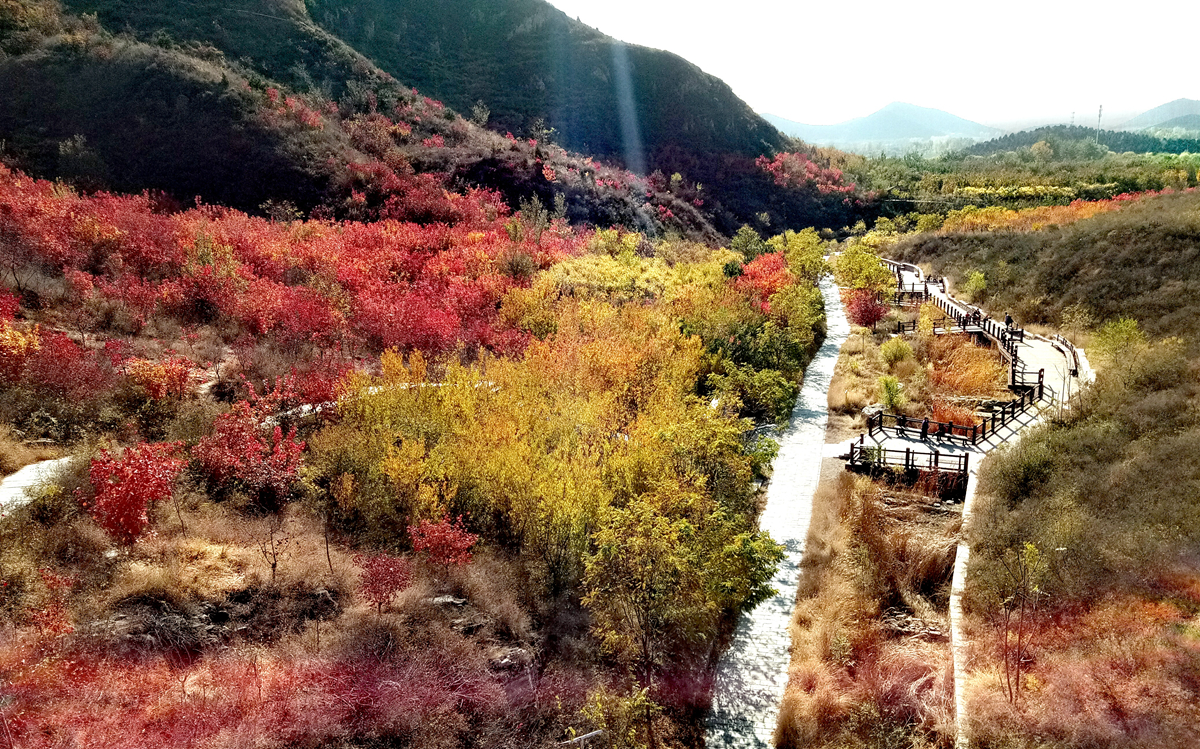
<point>1061,370</point>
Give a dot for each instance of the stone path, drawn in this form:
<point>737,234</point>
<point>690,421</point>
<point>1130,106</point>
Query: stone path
<point>12,488</point>
<point>752,674</point>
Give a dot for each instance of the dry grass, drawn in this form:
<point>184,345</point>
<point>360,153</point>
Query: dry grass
<point>1117,673</point>
<point>859,677</point>
<point>941,368</point>
<point>961,368</point>
<point>946,412</point>
<point>15,454</point>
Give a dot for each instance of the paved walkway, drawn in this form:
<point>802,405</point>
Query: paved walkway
<point>12,488</point>
<point>1034,353</point>
<point>752,674</point>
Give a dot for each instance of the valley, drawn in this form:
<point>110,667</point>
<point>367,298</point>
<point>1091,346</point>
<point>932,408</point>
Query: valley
<point>389,374</point>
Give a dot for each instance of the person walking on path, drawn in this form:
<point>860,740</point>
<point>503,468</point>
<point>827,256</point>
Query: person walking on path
<point>925,429</point>
<point>1008,321</point>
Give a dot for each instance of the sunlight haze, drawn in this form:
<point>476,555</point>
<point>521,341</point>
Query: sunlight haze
<point>1020,62</point>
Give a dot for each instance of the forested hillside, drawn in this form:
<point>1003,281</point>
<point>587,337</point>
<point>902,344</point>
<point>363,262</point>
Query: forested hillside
<point>536,74</point>
<point>1117,141</point>
<point>526,60</point>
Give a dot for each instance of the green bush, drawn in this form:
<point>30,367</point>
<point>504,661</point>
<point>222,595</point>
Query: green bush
<point>895,350</point>
<point>891,393</point>
<point>975,286</point>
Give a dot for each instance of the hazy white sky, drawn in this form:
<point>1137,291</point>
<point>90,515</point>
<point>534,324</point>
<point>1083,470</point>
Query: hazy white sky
<point>1007,62</point>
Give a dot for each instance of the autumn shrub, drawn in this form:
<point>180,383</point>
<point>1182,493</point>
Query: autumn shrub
<point>863,308</point>
<point>858,269</point>
<point>246,450</point>
<point>975,286</point>
<point>124,487</point>
<point>383,576</point>
<point>895,350</point>
<point>853,680</point>
<point>445,543</point>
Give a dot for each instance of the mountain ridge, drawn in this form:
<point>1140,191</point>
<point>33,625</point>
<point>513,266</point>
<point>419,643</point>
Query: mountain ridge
<point>1160,115</point>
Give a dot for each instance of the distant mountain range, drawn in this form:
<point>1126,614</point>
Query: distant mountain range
<point>895,122</point>
<point>1178,113</point>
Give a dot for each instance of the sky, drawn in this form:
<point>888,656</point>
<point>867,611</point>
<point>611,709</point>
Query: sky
<point>1013,63</point>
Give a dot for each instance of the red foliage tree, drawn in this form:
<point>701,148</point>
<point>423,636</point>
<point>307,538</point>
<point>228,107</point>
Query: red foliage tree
<point>125,485</point>
<point>764,276</point>
<point>239,450</point>
<point>444,542</point>
<point>383,576</point>
<point>864,309</point>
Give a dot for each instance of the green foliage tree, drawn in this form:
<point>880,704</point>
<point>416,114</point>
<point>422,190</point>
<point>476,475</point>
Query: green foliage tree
<point>975,286</point>
<point>643,585</point>
<point>1077,318</point>
<point>748,243</point>
<point>804,250</point>
<point>858,268</point>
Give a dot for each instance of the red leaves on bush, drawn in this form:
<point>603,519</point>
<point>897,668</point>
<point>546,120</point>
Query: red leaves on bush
<point>864,309</point>
<point>52,618</point>
<point>383,576</point>
<point>8,306</point>
<point>443,542</point>
<point>764,276</point>
<point>798,170</point>
<point>59,367</point>
<point>239,450</point>
<point>125,485</point>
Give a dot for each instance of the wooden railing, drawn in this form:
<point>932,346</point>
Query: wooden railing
<point>905,426</point>
<point>867,456</point>
<point>1028,390</point>
<point>1072,353</point>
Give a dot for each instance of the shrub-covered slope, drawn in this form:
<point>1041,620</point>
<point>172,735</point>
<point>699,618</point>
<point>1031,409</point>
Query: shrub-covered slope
<point>539,73</point>
<point>1142,261</point>
<point>130,116</point>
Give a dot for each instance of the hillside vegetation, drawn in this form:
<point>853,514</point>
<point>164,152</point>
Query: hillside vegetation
<point>1140,262</point>
<point>181,119</point>
<point>391,482</point>
<point>516,67</point>
<point>1081,592</point>
<point>527,60</point>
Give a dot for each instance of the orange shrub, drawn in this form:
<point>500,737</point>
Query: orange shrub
<point>169,378</point>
